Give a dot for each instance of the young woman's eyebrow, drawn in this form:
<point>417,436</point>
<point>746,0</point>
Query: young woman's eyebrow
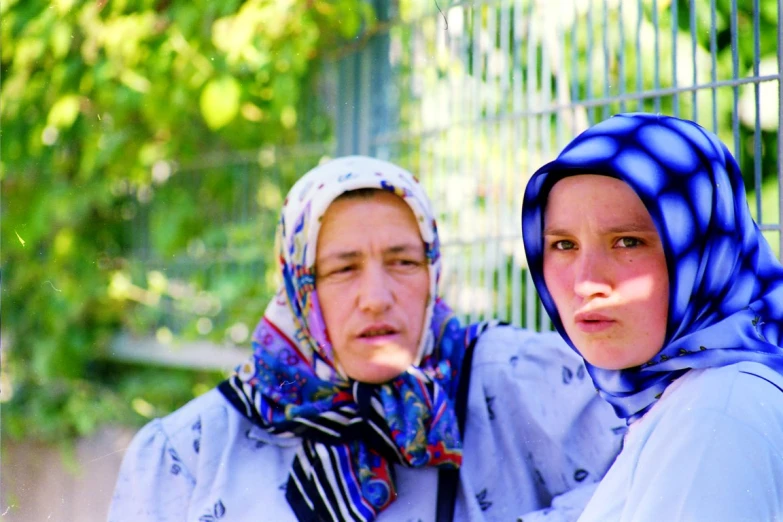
<point>624,228</point>
<point>633,226</point>
<point>556,232</point>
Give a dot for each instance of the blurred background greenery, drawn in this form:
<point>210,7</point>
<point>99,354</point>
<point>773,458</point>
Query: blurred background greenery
<point>105,105</point>
<point>147,146</point>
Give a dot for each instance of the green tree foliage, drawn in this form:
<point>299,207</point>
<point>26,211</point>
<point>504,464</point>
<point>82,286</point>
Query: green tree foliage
<point>96,98</point>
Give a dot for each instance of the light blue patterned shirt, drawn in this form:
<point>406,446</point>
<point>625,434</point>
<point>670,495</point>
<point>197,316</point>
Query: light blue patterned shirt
<point>536,431</point>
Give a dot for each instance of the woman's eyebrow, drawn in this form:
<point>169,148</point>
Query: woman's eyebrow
<point>405,249</point>
<point>556,232</point>
<point>345,255</point>
<point>633,226</point>
<point>352,255</point>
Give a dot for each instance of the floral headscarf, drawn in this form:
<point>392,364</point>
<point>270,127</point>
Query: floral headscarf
<point>725,283</point>
<point>352,432</point>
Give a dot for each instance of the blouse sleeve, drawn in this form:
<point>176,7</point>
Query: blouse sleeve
<point>153,482</point>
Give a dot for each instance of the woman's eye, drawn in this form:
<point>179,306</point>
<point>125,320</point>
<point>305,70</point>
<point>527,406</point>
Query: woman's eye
<point>563,244</point>
<point>339,270</point>
<point>628,242</point>
<point>406,262</point>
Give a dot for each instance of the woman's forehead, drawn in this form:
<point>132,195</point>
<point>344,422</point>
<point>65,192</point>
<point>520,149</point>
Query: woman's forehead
<point>380,219</point>
<point>606,204</point>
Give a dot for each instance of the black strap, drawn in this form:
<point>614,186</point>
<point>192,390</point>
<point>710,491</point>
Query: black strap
<point>448,479</point>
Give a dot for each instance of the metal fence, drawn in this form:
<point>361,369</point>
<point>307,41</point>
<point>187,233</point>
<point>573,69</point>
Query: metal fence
<point>473,97</point>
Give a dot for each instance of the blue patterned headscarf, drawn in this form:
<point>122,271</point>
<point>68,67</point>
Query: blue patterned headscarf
<point>352,433</point>
<point>725,284</point>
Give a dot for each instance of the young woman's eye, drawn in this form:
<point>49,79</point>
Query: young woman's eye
<point>629,242</point>
<point>563,244</point>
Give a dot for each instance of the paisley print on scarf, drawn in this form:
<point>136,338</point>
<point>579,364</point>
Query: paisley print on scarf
<point>353,433</point>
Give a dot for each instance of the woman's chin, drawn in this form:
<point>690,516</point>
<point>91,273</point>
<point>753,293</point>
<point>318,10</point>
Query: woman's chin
<point>378,372</point>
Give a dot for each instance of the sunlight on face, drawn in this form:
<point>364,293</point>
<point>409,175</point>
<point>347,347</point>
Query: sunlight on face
<point>605,267</point>
<point>372,279</point>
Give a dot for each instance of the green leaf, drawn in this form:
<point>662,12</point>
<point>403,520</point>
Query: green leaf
<point>64,112</point>
<point>220,101</point>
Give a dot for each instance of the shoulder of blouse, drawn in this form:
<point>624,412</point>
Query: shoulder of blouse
<point>211,415</point>
<point>746,393</point>
<point>500,344</point>
<point>720,388</point>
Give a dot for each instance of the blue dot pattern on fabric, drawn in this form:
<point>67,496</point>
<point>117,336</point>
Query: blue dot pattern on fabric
<point>726,286</point>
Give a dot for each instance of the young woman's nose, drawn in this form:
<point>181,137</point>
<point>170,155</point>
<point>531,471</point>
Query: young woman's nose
<point>375,293</point>
<point>592,274</point>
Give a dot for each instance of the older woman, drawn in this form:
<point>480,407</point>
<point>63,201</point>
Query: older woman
<point>642,247</point>
<point>348,407</point>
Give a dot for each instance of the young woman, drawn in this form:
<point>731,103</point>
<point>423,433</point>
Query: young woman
<point>642,247</point>
<point>346,409</point>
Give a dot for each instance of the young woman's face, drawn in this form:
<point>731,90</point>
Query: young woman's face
<point>372,279</point>
<point>605,268</point>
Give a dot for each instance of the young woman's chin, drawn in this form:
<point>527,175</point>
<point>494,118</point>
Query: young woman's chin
<point>614,356</point>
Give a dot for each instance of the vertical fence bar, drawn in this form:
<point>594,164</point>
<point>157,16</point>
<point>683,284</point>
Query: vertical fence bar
<point>780,125</point>
<point>546,117</point>
<point>491,136</point>
<point>403,142</point>
<point>385,102</point>
<point>517,85</point>
<point>505,215</point>
<point>589,82</point>
<point>735,75</point>
<point>341,110</point>
<point>421,141</point>
<point>675,23</point>
<point>456,164</point>
<point>532,68</point>
<point>356,103</point>
<point>657,59</point>
<point>560,82</point>
<point>446,163</point>
<point>757,98</point>
<point>462,217</point>
<point>714,59</point>
<point>475,120</point>
<point>574,62</point>
<point>639,70</point>
<point>694,47</point>
<point>621,79</point>
<point>605,112</point>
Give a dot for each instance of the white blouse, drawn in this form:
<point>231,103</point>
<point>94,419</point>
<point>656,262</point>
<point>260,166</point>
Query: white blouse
<point>536,429</point>
<point>710,449</point>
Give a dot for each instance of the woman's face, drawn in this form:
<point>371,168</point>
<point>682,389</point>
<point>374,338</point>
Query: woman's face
<point>605,268</point>
<point>372,279</point>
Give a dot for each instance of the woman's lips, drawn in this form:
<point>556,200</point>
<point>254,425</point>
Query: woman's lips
<point>593,322</point>
<point>594,326</point>
<point>380,333</point>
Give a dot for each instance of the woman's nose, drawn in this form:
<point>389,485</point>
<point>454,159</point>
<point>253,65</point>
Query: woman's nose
<point>375,293</point>
<point>592,275</point>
